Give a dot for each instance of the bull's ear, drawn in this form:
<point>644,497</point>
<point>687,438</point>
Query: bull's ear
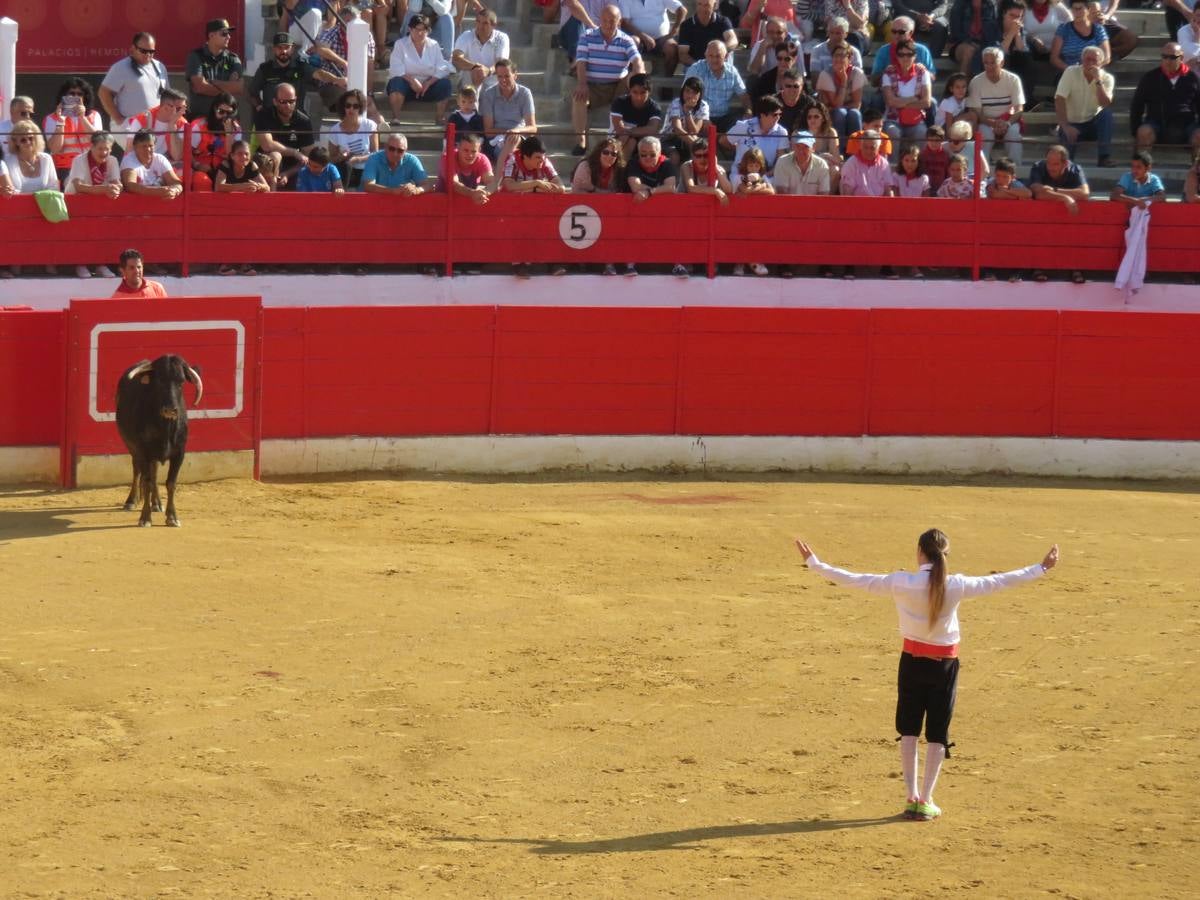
<point>145,379</point>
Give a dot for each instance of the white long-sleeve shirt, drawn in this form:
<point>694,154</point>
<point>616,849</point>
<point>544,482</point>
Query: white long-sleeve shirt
<point>910,591</point>
<point>426,64</point>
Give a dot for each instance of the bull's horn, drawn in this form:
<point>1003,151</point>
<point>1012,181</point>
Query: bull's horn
<point>139,370</point>
<point>194,377</point>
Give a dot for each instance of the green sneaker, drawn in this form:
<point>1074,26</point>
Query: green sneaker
<point>927,812</point>
<point>910,811</point>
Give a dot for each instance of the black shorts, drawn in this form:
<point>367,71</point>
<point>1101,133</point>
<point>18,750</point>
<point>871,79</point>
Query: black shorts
<point>926,691</point>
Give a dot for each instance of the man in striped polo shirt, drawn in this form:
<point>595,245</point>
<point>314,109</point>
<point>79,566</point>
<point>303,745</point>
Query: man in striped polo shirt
<point>604,60</point>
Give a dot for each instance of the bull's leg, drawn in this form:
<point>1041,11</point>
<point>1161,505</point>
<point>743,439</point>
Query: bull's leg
<point>147,475</point>
<point>172,474</point>
<point>131,500</point>
<point>156,505</point>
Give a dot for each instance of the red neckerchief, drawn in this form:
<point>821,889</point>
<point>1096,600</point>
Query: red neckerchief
<point>97,170</point>
<point>657,164</point>
<point>894,72</point>
<point>1040,16</point>
<point>1183,70</point>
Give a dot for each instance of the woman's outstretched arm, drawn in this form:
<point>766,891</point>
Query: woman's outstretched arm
<point>872,584</point>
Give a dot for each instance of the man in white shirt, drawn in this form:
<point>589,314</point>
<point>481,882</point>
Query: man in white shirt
<point>132,86</point>
<point>476,51</point>
<point>654,24</point>
<point>145,172</point>
<point>801,173</point>
<point>995,100</point>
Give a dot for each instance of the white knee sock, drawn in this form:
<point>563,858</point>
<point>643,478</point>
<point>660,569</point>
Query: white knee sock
<point>908,765</point>
<point>934,754</point>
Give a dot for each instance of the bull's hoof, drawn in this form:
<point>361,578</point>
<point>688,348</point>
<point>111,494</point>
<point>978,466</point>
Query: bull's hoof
<point>143,523</point>
<point>130,506</point>
<point>173,521</point>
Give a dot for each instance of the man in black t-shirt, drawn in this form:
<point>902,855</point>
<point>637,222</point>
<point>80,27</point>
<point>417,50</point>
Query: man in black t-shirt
<point>705,26</point>
<point>650,172</point>
<point>285,133</point>
<point>634,115</point>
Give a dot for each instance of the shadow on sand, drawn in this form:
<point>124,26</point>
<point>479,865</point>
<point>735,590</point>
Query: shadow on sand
<point>16,524</point>
<point>686,839</point>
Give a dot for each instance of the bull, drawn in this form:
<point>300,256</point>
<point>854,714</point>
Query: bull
<point>152,420</point>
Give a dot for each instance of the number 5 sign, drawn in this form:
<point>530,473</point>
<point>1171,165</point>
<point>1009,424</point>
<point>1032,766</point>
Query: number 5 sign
<point>579,227</point>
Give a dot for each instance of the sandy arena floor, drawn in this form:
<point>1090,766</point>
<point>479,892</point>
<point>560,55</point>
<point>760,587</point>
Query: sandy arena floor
<point>618,688</point>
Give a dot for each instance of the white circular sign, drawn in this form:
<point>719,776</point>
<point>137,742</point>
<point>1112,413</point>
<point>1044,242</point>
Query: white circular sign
<point>579,227</point>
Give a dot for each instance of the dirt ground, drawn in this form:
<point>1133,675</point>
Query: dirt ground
<point>612,688</point>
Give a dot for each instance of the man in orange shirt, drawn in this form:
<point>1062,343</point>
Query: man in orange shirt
<point>133,283</point>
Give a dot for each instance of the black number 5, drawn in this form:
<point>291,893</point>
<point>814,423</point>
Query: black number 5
<point>578,229</point>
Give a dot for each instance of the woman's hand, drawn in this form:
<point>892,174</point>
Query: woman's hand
<point>1049,562</point>
<point>112,190</point>
<point>806,551</point>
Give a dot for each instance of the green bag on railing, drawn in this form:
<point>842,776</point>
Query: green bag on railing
<point>52,204</point>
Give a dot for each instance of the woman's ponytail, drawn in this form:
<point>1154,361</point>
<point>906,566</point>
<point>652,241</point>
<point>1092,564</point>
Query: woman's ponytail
<point>935,546</point>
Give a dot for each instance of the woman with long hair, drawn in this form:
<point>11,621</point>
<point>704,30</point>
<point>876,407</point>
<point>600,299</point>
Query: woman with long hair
<point>602,172</point>
<point>70,127</point>
<point>927,603</point>
<point>212,137</point>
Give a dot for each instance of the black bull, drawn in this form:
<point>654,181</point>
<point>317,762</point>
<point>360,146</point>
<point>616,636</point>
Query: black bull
<point>152,420</point>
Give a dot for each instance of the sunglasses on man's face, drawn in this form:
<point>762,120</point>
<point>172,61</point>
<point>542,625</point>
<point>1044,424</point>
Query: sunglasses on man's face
<point>396,150</point>
<point>1172,56</point>
<point>149,51</point>
<point>353,106</point>
<point>291,102</point>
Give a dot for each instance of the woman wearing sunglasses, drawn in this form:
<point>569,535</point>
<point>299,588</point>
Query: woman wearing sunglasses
<point>70,127</point>
<point>354,138</point>
<point>212,138</point>
<point>602,172</point>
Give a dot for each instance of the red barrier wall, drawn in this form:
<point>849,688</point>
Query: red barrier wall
<point>388,371</point>
<point>433,228</point>
<point>33,367</point>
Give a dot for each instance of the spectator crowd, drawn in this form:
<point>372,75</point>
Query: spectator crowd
<point>826,97</point>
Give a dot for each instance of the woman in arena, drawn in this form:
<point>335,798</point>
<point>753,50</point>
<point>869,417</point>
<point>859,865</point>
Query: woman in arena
<point>927,603</point>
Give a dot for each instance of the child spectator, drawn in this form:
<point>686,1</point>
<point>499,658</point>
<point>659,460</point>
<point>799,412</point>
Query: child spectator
<point>1139,185</point>
<point>960,135</point>
<point>957,186</point>
<point>470,172</point>
<point>270,171</point>
<point>954,100</point>
<point>872,120</point>
<point>239,174</point>
<point>935,159</point>
<point>320,176</point>
<point>908,181</point>
<point>466,119</point>
<point>686,120</point>
<point>529,171</point>
<point>1191,184</point>
<point>1005,186</point>
<point>753,182</point>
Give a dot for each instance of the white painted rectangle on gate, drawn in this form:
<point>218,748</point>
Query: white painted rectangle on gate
<point>238,329</point>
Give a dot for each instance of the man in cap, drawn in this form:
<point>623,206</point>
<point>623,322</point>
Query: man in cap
<point>801,172</point>
<point>213,69</point>
<point>286,66</point>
